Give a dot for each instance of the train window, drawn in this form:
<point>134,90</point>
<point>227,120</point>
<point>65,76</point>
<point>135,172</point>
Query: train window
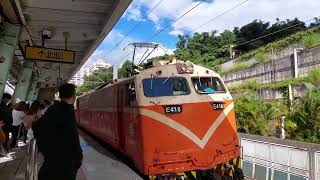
<point>208,85</point>
<point>165,86</point>
<point>131,93</point>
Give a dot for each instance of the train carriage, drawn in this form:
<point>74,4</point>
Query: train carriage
<point>173,118</point>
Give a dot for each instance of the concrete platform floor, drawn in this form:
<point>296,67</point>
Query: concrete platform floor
<point>14,168</point>
<point>98,164</point>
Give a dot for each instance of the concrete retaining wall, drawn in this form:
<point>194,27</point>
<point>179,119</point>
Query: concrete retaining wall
<point>277,69</point>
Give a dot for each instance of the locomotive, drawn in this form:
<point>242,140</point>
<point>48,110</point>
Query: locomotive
<point>174,120</point>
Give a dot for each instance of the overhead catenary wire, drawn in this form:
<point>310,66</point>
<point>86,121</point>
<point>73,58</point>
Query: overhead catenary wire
<point>125,56</point>
<point>147,56</point>
<point>249,41</point>
<point>135,26</point>
<point>174,21</point>
<point>219,15</point>
<point>166,27</point>
<point>143,56</point>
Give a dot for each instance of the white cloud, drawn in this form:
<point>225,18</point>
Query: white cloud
<point>134,12</point>
<point>266,10</point>
<point>176,32</point>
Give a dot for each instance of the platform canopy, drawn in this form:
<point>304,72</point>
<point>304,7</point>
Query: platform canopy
<point>74,25</point>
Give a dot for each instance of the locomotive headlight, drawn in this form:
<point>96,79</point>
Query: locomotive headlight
<point>184,68</point>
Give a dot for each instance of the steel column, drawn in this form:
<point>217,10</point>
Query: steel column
<point>8,43</point>
<point>24,82</point>
<point>33,91</point>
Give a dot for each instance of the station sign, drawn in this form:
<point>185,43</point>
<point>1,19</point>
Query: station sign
<point>50,55</point>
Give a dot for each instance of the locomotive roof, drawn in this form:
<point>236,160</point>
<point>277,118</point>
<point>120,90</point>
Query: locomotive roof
<point>166,70</point>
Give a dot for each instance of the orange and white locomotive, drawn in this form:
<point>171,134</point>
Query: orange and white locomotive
<point>174,119</point>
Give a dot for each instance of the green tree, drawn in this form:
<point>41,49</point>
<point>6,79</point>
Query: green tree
<point>258,28</point>
<point>182,42</point>
<point>96,79</point>
<point>306,116</point>
<point>253,114</point>
<point>253,30</point>
<point>125,69</point>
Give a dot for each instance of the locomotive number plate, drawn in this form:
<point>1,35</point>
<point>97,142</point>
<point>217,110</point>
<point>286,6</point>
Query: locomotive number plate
<point>173,109</point>
<point>218,105</point>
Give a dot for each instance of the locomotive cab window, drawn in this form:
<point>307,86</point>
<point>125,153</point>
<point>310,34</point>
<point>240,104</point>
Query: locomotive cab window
<point>208,85</point>
<point>131,93</point>
<point>165,86</point>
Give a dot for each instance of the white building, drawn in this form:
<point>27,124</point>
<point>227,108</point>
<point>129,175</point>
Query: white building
<point>99,64</point>
<point>78,78</point>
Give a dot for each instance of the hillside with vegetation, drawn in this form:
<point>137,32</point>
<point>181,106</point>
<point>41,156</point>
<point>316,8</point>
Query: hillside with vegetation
<point>211,49</point>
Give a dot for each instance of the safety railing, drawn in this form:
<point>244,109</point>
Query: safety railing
<point>32,164</point>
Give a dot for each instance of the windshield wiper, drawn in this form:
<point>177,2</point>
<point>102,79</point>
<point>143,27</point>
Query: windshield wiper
<point>166,80</point>
<point>151,81</point>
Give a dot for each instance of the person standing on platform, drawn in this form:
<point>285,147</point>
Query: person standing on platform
<point>32,115</point>
<point>7,119</point>
<point>59,141</point>
<point>17,127</point>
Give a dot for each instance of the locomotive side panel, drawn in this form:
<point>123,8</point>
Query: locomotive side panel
<point>112,115</point>
<point>97,113</point>
<point>128,120</point>
<point>83,111</point>
<point>103,119</point>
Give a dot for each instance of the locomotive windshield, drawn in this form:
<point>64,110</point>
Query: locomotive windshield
<point>165,86</point>
<point>208,85</point>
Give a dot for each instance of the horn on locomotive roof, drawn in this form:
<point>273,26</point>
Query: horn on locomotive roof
<point>148,45</point>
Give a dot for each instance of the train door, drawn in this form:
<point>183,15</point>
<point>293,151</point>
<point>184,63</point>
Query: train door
<point>131,121</point>
<point>120,120</point>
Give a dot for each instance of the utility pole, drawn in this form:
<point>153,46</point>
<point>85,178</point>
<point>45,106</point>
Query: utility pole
<point>115,72</point>
<point>295,59</point>
<point>231,51</point>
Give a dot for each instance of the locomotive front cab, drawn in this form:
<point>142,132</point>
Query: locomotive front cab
<point>187,119</point>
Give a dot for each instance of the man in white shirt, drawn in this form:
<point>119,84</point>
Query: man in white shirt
<point>17,115</point>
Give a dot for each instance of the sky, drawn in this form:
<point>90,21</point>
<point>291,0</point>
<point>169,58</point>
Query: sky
<point>149,21</point>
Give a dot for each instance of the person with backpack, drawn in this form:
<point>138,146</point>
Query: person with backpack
<point>59,138</point>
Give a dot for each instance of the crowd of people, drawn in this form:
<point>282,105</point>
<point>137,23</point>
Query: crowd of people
<point>17,118</point>
<point>52,125</point>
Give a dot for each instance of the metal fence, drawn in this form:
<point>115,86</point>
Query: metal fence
<point>32,164</point>
<point>276,159</point>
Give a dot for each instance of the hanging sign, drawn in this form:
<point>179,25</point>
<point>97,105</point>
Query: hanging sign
<point>50,55</point>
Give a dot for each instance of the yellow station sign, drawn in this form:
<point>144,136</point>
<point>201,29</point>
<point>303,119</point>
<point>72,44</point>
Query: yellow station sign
<point>50,55</point>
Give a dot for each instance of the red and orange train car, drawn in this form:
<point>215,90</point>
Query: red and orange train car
<point>175,120</point>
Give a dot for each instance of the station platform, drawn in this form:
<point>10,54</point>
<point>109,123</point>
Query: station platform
<point>101,164</point>
<point>98,164</point>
